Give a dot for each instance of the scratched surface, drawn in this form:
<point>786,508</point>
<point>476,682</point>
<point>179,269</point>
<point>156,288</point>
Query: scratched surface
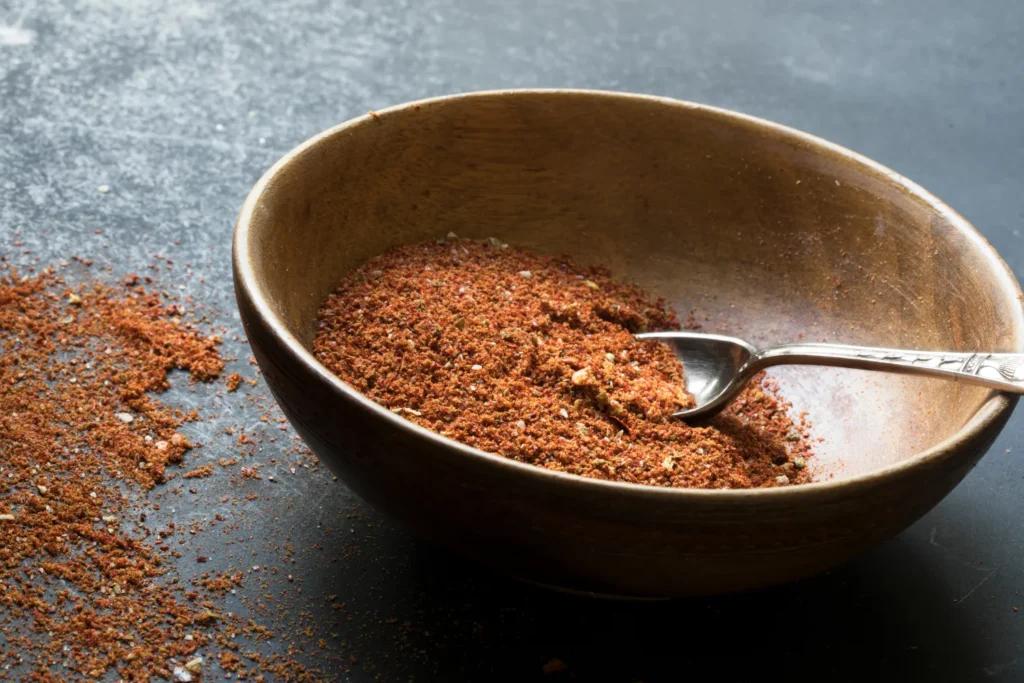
<point>149,120</point>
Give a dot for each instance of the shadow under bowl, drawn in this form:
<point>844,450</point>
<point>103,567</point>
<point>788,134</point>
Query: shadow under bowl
<point>760,231</point>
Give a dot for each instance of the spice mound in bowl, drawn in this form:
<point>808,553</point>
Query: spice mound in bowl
<point>534,358</point>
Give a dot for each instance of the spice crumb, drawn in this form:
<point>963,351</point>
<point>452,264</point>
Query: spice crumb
<point>234,380</point>
<point>581,377</point>
<point>199,473</point>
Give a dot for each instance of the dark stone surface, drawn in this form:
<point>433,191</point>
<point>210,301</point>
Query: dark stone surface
<point>179,105</point>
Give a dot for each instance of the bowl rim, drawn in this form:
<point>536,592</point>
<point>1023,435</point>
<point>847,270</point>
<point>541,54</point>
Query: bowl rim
<point>996,406</point>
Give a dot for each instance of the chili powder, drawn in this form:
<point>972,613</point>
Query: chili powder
<point>534,358</point>
<point>87,590</point>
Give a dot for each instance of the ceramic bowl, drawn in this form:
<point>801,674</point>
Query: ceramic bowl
<point>759,230</point>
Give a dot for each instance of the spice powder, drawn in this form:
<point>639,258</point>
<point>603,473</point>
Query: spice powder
<point>534,358</point>
<point>86,588</point>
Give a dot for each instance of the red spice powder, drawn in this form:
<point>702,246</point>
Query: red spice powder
<point>199,473</point>
<point>534,358</point>
<point>75,371</point>
<point>87,591</point>
<point>234,381</point>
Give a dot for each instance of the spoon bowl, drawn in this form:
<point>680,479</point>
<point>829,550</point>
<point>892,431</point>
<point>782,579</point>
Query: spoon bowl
<point>716,367</point>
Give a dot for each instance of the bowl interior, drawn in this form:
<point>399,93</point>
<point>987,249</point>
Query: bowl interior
<point>759,231</point>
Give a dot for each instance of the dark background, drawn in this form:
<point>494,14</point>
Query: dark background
<point>177,106</point>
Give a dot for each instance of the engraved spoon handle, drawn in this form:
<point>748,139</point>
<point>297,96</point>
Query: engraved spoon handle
<point>1002,371</point>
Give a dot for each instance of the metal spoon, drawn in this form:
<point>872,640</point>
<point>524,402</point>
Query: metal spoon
<point>718,367</point>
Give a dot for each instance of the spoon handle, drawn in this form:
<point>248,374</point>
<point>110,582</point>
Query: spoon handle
<point>1003,371</point>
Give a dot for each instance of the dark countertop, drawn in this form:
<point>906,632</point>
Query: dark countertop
<point>179,106</point>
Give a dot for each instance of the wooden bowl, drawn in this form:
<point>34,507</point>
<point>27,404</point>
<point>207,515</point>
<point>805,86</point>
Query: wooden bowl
<point>766,232</point>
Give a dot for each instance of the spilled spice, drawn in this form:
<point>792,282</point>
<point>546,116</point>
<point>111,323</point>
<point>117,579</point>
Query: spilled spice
<point>87,590</point>
<point>234,381</point>
<point>199,473</point>
<point>534,358</point>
